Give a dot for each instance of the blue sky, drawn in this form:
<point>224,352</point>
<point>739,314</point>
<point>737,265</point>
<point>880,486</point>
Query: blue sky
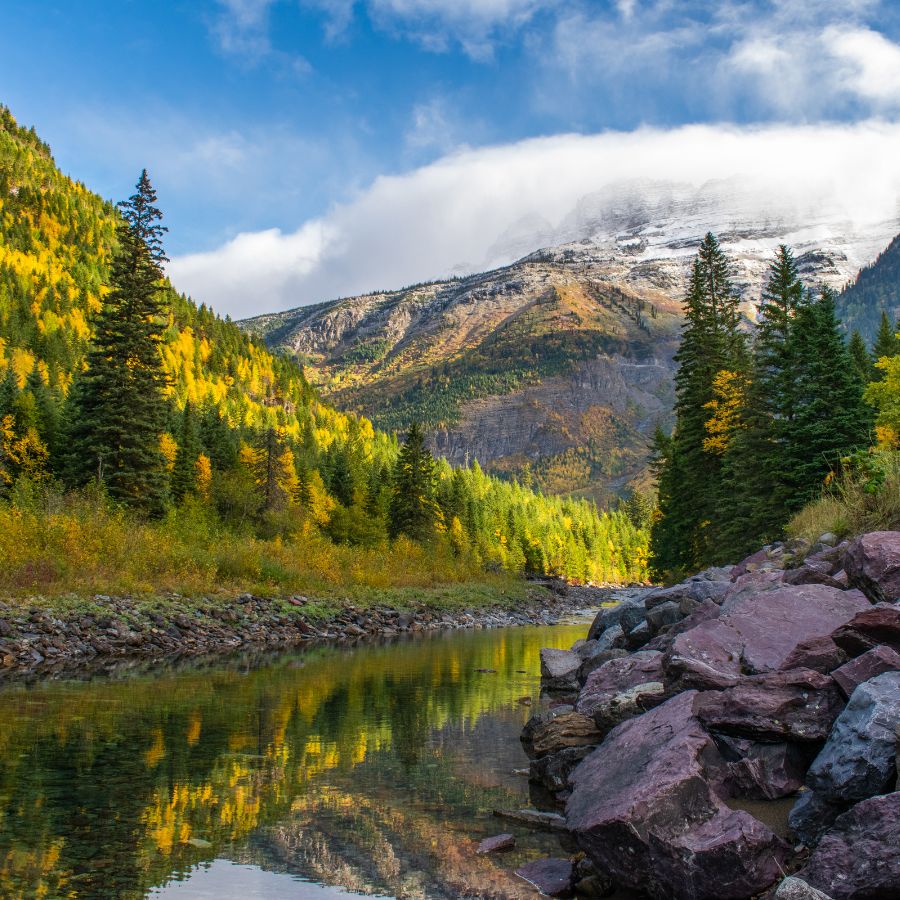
<point>287,118</point>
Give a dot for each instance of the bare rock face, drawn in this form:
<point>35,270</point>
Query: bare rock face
<point>858,760</point>
<point>873,662</point>
<point>819,653</point>
<point>872,563</point>
<point>706,657</point>
<point>559,670</point>
<point>858,857</point>
<point>799,705</point>
<point>643,809</point>
<point>876,626</point>
<point>616,676</point>
<point>567,729</point>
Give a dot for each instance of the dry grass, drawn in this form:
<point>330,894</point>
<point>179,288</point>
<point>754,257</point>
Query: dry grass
<point>865,499</point>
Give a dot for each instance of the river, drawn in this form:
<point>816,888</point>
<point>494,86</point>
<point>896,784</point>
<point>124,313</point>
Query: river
<point>322,773</point>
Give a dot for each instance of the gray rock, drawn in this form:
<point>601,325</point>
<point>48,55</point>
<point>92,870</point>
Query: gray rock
<point>794,888</point>
<point>616,677</point>
<point>553,770</point>
<point>812,815</point>
<point>632,617</point>
<point>600,657</point>
<point>559,669</point>
<point>664,614</point>
<point>638,636</point>
<point>611,639</point>
<point>496,844</point>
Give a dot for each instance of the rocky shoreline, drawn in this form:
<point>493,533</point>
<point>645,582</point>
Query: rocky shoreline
<point>688,712</point>
<point>38,641</point>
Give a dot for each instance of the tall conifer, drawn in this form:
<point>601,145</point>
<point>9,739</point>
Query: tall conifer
<point>413,509</point>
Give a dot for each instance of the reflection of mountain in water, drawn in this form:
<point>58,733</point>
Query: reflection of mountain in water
<point>375,767</point>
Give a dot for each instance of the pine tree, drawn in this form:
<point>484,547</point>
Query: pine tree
<point>271,472</point>
<point>887,344</point>
<point>413,511</point>
<point>184,473</point>
<point>119,407</point>
<point>689,472</point>
<point>863,363</point>
<point>829,418</point>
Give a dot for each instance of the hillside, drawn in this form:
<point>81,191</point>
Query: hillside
<point>559,366</point>
<point>266,487</point>
<point>875,290</point>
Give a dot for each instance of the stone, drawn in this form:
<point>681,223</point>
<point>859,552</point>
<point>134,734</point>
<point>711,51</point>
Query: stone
<point>798,705</point>
<point>762,771</point>
<point>876,626</point>
<point>568,729</point>
<point>600,658</point>
<point>812,574</point>
<point>871,663</point>
<point>553,770</point>
<point>534,818</point>
<point>611,639</point>
<point>611,616</point>
<point>585,649</point>
<point>496,844</point>
<point>638,636</point>
<point>707,656</point>
<point>793,888</point>
<point>663,615</point>
<point>616,676</point>
<point>595,886</point>
<point>631,618</point>
<point>812,815</point>
<point>552,877</point>
<point>818,653</point>
<point>644,810</point>
<point>859,757</point>
<point>539,720</point>
<point>872,563</point>
<point>559,670</point>
<point>858,856</point>
<point>752,563</point>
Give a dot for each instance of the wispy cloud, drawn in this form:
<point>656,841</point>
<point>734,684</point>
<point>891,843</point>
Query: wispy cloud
<point>241,30</point>
<point>440,218</point>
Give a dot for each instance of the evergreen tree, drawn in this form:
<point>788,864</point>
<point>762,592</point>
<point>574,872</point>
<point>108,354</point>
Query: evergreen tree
<point>119,407</point>
<point>830,418</point>
<point>184,472</point>
<point>271,472</point>
<point>689,472</point>
<point>863,363</point>
<point>413,511</point>
<point>887,344</point>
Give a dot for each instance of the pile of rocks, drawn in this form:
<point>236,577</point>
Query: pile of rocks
<point>776,678</point>
<point>34,639</point>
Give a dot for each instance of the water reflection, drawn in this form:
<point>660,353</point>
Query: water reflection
<point>371,769</point>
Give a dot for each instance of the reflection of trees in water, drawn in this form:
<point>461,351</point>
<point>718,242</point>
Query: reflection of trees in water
<point>104,785</point>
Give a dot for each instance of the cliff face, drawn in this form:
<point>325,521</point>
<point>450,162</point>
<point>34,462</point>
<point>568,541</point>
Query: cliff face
<point>559,365</point>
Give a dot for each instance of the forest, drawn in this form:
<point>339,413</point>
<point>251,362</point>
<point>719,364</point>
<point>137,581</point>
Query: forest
<point>139,427</point>
<point>791,429</point>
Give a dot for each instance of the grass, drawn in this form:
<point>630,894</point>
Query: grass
<point>864,498</point>
<point>66,550</point>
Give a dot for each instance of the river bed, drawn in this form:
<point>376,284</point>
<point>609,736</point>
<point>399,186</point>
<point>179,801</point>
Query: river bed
<point>316,774</point>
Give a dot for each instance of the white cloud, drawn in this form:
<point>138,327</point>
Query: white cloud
<point>871,62</point>
<point>440,218</point>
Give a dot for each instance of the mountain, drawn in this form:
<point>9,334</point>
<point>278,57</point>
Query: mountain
<point>875,290</point>
<point>559,366</point>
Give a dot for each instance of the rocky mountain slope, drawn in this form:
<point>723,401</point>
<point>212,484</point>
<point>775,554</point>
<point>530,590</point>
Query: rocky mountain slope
<point>559,366</point>
<point>876,289</point>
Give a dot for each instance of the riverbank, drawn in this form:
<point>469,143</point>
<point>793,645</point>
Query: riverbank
<point>45,636</point>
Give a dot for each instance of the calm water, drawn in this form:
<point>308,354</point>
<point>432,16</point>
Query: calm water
<point>311,775</point>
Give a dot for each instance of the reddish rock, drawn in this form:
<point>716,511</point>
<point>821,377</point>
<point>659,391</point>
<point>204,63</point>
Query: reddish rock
<point>496,843</point>
<point>819,653</point>
<point>812,574</point>
<point>858,857</point>
<point>644,810</point>
<point>616,676</point>
<point>873,662</point>
<point>872,563</point>
<point>553,877</point>
<point>706,657</point>
<point>798,705</point>
<point>879,625</point>
<point>762,771</point>
<point>751,564</point>
<point>772,624</point>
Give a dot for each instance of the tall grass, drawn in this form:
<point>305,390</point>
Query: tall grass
<point>865,497</point>
<point>53,545</point>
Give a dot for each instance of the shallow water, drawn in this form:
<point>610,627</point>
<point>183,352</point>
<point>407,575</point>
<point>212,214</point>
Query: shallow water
<point>310,775</point>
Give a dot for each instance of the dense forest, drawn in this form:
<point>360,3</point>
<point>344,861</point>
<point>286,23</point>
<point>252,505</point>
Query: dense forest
<point>873,294</point>
<point>121,398</point>
<point>772,421</point>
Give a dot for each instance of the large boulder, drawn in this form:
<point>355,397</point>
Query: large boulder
<point>616,676</point>
<point>759,633</point>
<point>858,857</point>
<point>554,769</point>
<point>872,563</point>
<point>799,705</point>
<point>611,615</point>
<point>567,729</point>
<point>793,888</point>
<point>818,653</point>
<point>873,662</point>
<point>597,659</point>
<point>663,616</point>
<point>644,809</point>
<point>874,627</point>
<point>858,760</point>
<point>559,669</point>
<point>552,877</point>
